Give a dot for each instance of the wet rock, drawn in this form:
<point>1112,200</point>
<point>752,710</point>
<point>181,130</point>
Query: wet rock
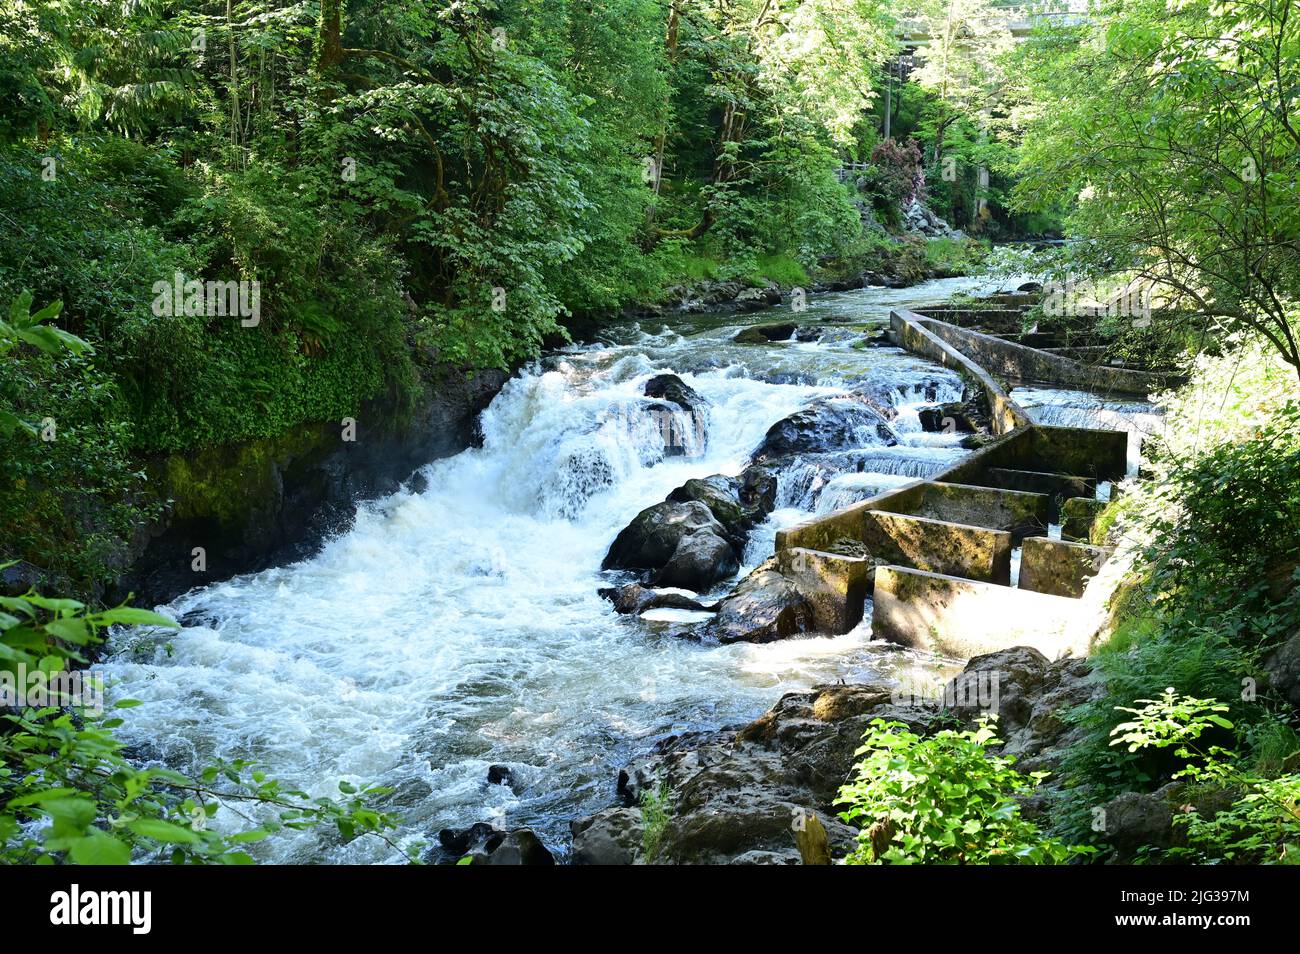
<point>635,599</point>
<point>1283,668</point>
<point>611,837</point>
<point>674,391</point>
<point>966,418</point>
<point>931,418</point>
<point>758,489</point>
<point>649,541</point>
<point>827,424</point>
<point>492,846</point>
<point>699,561</point>
<point>459,841</point>
<point>731,796</point>
<point>722,495</point>
<point>762,334</point>
<point>669,387</point>
<point>500,775</point>
<point>765,606</point>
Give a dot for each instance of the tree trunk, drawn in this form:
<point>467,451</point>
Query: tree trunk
<point>330,38</point>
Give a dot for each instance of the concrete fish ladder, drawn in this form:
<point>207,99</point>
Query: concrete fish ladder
<point>934,557</point>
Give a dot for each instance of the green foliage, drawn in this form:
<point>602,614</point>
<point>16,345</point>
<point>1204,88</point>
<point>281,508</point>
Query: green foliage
<point>1217,532</point>
<point>942,799</point>
<point>948,256</point>
<point>1171,133</point>
<point>1262,824</point>
<point>66,499</point>
<point>654,819</point>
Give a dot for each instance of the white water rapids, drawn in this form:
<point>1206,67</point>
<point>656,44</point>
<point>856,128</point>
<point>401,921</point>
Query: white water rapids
<point>459,627</point>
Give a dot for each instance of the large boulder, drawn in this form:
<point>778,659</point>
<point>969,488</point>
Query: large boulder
<point>699,561</point>
<point>650,540</point>
<point>765,606</point>
<point>730,796</point>
<point>762,334</point>
<point>612,837</point>
<point>681,543</point>
<point>1283,668</point>
<point>827,424</point>
<point>737,503</point>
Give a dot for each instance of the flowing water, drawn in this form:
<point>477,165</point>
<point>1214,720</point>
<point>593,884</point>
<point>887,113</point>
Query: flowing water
<point>1066,408</point>
<point>459,627</point>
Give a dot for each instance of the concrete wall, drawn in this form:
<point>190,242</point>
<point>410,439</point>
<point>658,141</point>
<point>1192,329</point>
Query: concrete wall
<point>907,329</point>
<point>1078,514</point>
<point>1058,566</point>
<point>836,586</point>
<point>1029,365</point>
<point>964,618</point>
<point>938,546</point>
<point>1019,513</point>
<point>1057,487</point>
<point>1083,451</point>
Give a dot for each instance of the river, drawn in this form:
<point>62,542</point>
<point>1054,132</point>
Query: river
<point>458,627</point>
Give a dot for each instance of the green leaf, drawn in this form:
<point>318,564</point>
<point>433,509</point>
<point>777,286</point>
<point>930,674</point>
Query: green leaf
<point>164,831</point>
<point>131,616</point>
<point>99,848</point>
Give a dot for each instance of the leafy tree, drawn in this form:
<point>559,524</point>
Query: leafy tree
<point>1174,128</point>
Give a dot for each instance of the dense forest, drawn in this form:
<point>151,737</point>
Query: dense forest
<point>225,223</point>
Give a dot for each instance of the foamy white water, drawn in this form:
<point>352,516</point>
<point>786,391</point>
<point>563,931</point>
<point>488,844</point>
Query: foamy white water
<point>459,627</point>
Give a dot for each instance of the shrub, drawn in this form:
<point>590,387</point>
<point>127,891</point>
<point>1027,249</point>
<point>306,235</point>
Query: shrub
<point>944,799</point>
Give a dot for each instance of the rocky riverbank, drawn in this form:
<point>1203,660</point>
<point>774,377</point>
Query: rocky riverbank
<point>729,797</point>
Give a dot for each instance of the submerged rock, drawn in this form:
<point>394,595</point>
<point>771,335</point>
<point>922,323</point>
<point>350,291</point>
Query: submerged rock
<point>762,334</point>
<point>635,599</point>
<point>828,424</point>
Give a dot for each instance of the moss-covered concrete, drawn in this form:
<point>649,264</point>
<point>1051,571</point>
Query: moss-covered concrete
<point>1057,487</point>
<point>1078,514</point>
<point>1059,567</point>
<point>835,585</point>
<point>939,546</point>
<point>1016,362</point>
